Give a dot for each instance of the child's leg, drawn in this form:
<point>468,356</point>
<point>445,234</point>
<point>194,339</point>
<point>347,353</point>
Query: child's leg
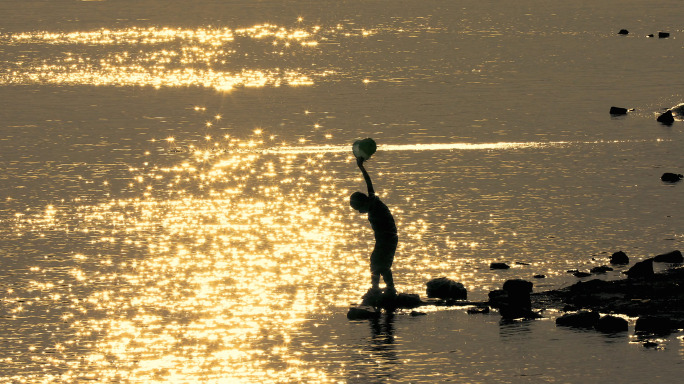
<point>387,277</point>
<point>375,279</point>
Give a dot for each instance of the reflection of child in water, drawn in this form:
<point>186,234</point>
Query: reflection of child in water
<point>385,231</point>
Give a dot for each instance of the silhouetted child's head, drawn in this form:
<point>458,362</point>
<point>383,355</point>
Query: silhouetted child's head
<point>359,201</point>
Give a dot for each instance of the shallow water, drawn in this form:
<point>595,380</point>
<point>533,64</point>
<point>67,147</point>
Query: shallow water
<point>175,185</point>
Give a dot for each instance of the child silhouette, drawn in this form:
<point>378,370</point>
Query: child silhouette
<point>385,231</point>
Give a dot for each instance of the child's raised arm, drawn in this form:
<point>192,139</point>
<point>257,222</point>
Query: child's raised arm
<point>369,183</point>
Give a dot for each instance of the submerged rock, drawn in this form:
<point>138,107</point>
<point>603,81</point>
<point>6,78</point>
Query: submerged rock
<point>619,258</point>
<point>478,310</point>
<point>447,289</point>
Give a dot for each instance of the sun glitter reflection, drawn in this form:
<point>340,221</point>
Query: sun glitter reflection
<point>219,58</point>
<point>206,278</point>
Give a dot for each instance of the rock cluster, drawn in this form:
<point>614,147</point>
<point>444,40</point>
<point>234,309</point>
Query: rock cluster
<point>656,299</point>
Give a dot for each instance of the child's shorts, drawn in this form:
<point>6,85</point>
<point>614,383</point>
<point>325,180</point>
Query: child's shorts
<point>383,254</point>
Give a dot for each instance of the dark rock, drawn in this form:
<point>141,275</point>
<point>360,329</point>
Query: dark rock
<point>362,312</point>
<point>497,298</point>
<point>407,301</point>
<point>416,313</point>
<point>623,32</point>
<point>518,287</point>
<point>445,288</point>
<point>611,324</point>
<point>581,274</point>
<point>671,177</point>
<point>539,276</point>
<point>650,35</point>
<point>499,266</point>
<point>601,269</point>
<point>593,285</point>
<point>581,319</point>
<point>618,111</point>
<point>619,258</point>
<point>674,257</point>
<point>658,325</point>
<point>663,35</point>
<point>372,298</point>
<point>515,302</point>
<point>641,269</point>
<point>666,118</point>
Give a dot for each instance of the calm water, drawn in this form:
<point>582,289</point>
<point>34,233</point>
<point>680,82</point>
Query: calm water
<point>176,175</point>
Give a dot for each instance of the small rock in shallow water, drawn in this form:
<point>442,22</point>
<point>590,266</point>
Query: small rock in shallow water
<point>499,266</point>
<point>610,324</point>
<point>416,313</point>
<point>601,269</point>
<point>663,35</point>
<point>581,319</point>
<point>623,32</point>
<point>618,111</point>
<point>447,289</point>
<point>641,269</point>
<point>674,257</point>
<point>581,274</point>
<point>666,118</point>
<point>671,177</point>
<point>619,258</point>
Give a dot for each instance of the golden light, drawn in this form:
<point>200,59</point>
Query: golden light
<point>169,57</point>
